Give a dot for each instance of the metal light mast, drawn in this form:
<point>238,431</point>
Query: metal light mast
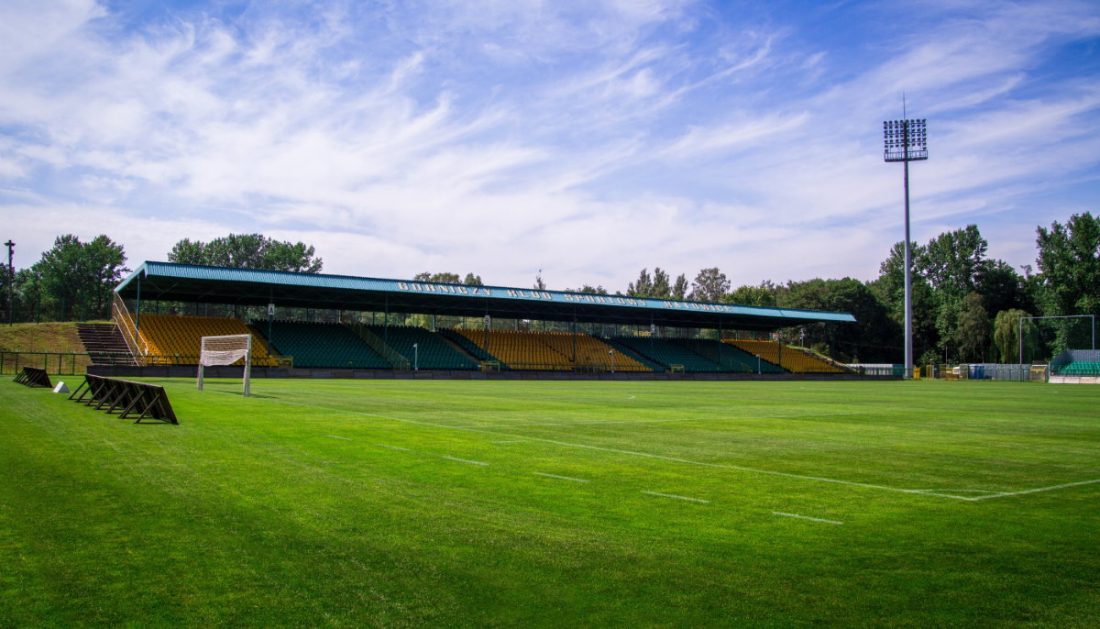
<point>11,282</point>
<point>906,141</point>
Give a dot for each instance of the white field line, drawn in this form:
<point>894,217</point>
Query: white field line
<point>466,461</point>
<point>677,497</point>
<point>1037,490</point>
<point>507,441</point>
<point>806,517</point>
<point>726,466</point>
<point>560,477</point>
<point>593,422</point>
<point>340,438</point>
<point>389,447</point>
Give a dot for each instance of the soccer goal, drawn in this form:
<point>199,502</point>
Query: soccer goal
<point>226,350</point>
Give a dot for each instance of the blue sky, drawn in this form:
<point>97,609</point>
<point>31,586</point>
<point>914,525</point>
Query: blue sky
<point>585,139</point>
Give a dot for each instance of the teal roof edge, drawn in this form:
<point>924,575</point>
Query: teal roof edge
<point>346,282</point>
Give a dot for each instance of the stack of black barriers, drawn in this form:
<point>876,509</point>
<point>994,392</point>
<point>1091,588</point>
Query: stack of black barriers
<point>129,398</point>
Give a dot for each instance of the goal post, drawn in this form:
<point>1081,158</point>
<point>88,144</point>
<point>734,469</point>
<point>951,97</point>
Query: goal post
<point>226,350</point>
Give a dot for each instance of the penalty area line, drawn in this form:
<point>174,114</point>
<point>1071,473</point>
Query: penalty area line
<point>1037,490</point>
<point>784,514</point>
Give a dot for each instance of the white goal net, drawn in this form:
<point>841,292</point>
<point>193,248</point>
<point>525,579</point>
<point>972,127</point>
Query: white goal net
<point>226,350</point>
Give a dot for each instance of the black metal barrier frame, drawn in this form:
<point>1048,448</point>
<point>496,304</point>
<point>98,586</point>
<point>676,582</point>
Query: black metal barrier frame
<point>147,401</point>
<point>34,377</point>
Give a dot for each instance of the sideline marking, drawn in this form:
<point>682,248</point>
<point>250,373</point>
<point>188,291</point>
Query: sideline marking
<point>466,461</point>
<point>806,517</point>
<point>726,466</point>
<point>677,497</point>
<point>560,477</point>
<point>507,441</point>
<point>340,438</point>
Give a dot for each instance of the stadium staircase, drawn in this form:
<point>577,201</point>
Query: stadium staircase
<point>324,345</point>
<point>104,344</point>
<point>727,357</point>
<point>431,351</point>
<point>668,353</point>
<point>793,359</point>
<point>461,342</point>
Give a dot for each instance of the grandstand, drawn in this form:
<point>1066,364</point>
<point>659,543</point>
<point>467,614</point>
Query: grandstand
<point>331,322</point>
<point>1076,363</point>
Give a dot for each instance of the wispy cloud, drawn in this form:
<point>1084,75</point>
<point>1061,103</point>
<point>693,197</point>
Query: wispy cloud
<point>585,139</point>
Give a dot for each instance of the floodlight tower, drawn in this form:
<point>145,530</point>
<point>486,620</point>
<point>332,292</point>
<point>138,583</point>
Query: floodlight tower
<point>11,282</point>
<point>906,141</point>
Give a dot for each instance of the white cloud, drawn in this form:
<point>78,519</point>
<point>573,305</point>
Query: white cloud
<point>589,140</point>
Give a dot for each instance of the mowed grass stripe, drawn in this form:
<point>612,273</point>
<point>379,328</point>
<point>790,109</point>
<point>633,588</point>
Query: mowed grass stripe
<point>248,513</point>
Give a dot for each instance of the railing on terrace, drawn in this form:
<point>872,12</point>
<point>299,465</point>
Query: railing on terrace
<point>378,345</point>
<point>57,363</point>
<point>121,316</point>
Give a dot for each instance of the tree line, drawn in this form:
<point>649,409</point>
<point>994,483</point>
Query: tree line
<point>75,280</point>
<point>967,306</point>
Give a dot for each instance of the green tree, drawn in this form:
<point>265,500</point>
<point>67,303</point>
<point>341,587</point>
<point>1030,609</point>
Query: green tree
<point>873,338</point>
<point>105,261</point>
<point>641,287</point>
<point>74,280</point>
<point>661,288</point>
<point>890,289</point>
<point>248,251</point>
<point>953,261</point>
<point>441,278</point>
<point>472,279</point>
<point>589,290</point>
<point>1007,332</point>
<point>972,330</point>
<point>710,285</point>
<point>1069,263</point>
<point>1002,288</point>
<point>679,288</point>
<point>28,294</point>
<point>762,295</point>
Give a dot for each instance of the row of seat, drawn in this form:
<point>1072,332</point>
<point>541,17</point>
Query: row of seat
<point>327,345</point>
<point>423,348</point>
<point>176,339</point>
<point>696,355</point>
<point>1081,368</point>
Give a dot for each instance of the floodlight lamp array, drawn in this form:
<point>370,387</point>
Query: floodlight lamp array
<point>905,140</point>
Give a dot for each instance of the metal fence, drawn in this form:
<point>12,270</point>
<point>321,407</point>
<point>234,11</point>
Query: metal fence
<point>64,364</point>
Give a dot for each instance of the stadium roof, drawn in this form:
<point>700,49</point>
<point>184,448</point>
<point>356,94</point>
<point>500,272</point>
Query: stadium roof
<point>165,281</point>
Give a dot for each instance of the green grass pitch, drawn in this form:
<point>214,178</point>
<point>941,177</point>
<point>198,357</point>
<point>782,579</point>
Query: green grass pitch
<point>400,503</point>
